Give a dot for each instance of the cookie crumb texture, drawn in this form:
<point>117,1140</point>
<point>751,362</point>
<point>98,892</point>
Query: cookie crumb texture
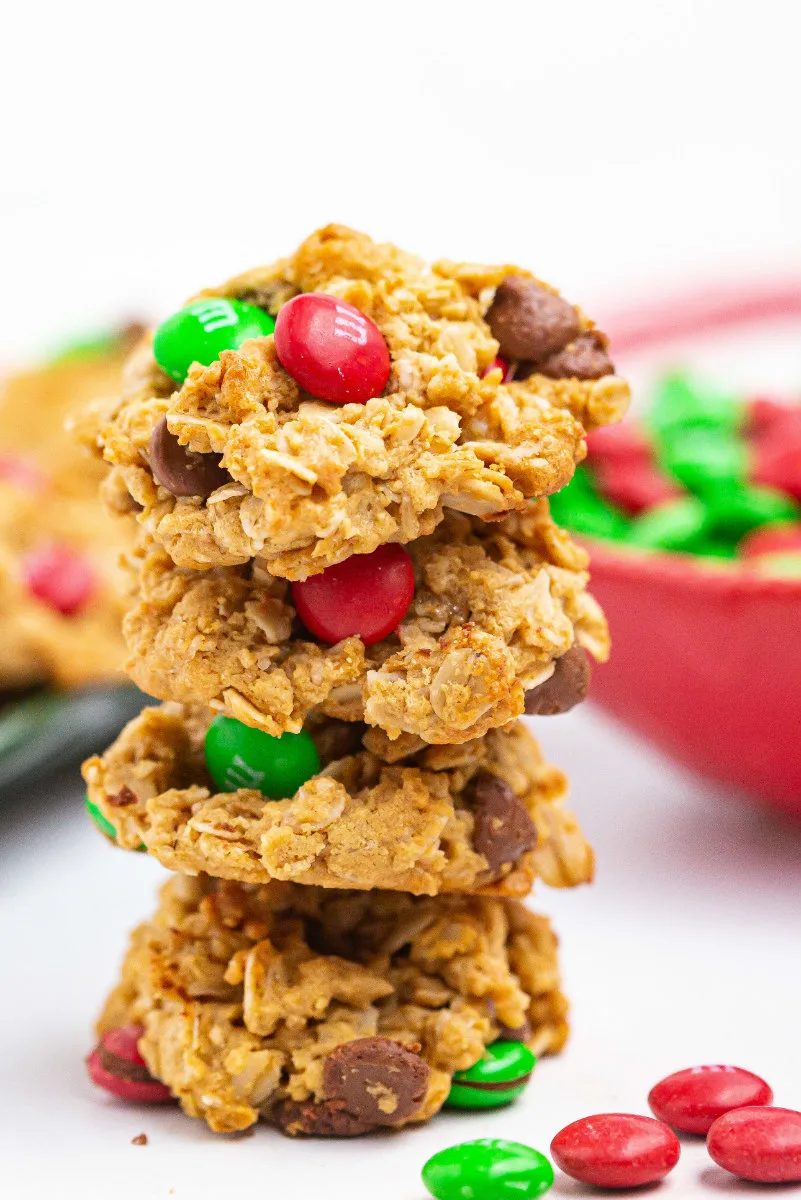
<point>495,607</point>
<point>486,816</point>
<point>310,483</point>
<point>329,1013</point>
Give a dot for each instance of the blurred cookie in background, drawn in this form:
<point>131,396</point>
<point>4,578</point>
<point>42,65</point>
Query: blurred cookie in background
<point>60,585</point>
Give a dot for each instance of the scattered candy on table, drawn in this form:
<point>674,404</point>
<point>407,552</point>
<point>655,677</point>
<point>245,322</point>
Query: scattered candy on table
<point>760,1144</point>
<point>488,1169</point>
<point>365,596</point>
<point>331,349</point>
<point>693,1099</point>
<point>703,473</point>
<point>59,577</point>
<point>116,1065</point>
<point>616,1150</point>
<point>240,757</point>
<point>203,330</point>
<point>498,1078</point>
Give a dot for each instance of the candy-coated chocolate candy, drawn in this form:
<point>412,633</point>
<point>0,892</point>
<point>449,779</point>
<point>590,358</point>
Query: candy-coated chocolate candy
<point>240,757</point>
<point>488,1169</point>
<point>180,470</point>
<point>616,1150</point>
<point>761,1144</point>
<point>675,526</point>
<point>331,349</point>
<point>21,473</point>
<point>763,413</point>
<point>117,1066</point>
<point>619,443</point>
<point>693,1099</point>
<point>102,823</point>
<point>59,577</point>
<point>201,331</point>
<point>772,539</point>
<point>734,511</point>
<point>776,460</point>
<point>703,460</point>
<point>365,596</point>
<point>578,507</point>
<point>680,402</point>
<point>500,364</point>
<point>634,487</point>
<point>498,1078</point>
<point>710,547</point>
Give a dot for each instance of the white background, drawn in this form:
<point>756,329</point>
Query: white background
<point>617,149</point>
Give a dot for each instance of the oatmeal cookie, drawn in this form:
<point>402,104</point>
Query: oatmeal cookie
<point>329,1013</point>
<point>486,816</point>
<point>61,590</point>
<point>303,484</point>
<point>495,607</point>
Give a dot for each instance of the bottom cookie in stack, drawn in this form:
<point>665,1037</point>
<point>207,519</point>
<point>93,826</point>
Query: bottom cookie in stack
<point>331,1013</point>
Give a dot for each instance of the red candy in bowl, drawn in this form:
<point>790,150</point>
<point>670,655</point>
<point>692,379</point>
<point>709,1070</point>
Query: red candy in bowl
<point>702,592</point>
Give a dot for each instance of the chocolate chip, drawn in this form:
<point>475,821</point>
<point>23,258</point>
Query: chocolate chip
<point>563,690</point>
<point>521,1034</point>
<point>182,471</point>
<point>529,321</point>
<point>583,358</point>
<point>502,828</point>
<point>379,1081</point>
<point>326,1118</point>
<point>122,798</point>
<point>123,1068</point>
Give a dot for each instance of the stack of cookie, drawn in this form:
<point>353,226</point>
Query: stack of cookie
<point>347,588</point>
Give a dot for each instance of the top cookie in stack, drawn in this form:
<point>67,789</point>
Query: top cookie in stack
<point>339,465</point>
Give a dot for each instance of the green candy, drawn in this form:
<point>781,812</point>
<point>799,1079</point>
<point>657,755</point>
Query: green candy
<point>579,508</point>
<point>735,511</point>
<point>498,1078</point>
<point>681,403</point>
<point>704,460</point>
<point>102,823</point>
<point>240,757</point>
<point>488,1169</point>
<point>680,525</point>
<point>201,331</point>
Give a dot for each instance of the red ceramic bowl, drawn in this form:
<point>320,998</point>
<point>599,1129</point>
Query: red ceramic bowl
<point>706,662</point>
<point>706,658</point>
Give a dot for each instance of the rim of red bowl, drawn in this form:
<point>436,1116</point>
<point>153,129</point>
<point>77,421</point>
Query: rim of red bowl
<point>687,316</point>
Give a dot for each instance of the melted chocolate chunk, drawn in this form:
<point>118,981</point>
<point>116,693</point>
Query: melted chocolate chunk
<point>502,828</point>
<point>530,322</point>
<point>182,471</point>
<point>378,1080</point>
<point>564,689</point>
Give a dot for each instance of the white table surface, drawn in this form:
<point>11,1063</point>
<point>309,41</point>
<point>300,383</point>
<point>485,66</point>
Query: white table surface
<point>686,950</point>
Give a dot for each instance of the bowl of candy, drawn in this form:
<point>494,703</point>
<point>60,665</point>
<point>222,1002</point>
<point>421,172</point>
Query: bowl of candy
<point>691,510</point>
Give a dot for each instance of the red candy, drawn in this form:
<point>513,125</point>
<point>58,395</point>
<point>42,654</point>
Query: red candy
<point>619,443</point>
<point>501,365</point>
<point>59,577</point>
<point>633,486</point>
<point>24,475</point>
<point>117,1066</point>
<point>771,539</point>
<point>616,1150</point>
<point>776,461</point>
<point>761,1144</point>
<point>331,349</point>
<point>692,1100</point>
<point>365,596</point>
